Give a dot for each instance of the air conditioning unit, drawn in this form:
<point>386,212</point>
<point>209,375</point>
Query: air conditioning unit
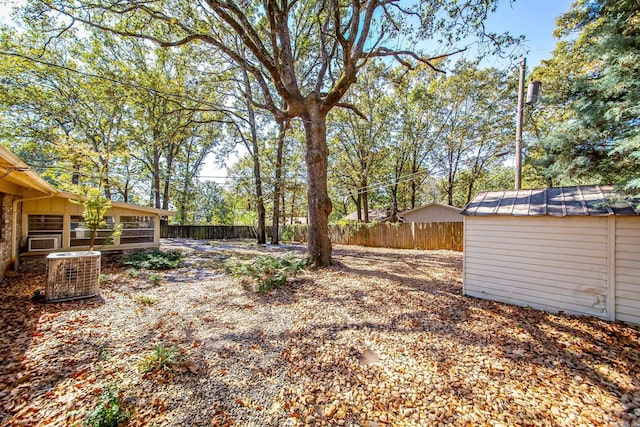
<point>72,275</point>
<point>44,243</point>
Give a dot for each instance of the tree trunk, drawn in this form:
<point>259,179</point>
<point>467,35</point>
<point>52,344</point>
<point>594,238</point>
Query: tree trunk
<point>255,151</point>
<point>470,190</point>
<point>156,181</point>
<point>167,180</point>
<point>414,184</point>
<point>413,194</point>
<point>261,231</point>
<point>319,204</point>
<point>394,202</point>
<point>365,201</point>
<point>278,187</point>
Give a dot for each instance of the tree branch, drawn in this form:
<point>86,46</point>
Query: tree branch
<point>353,108</point>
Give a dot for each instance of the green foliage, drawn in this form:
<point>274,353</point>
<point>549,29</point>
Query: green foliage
<point>131,273</point>
<point>156,260</point>
<point>269,272</point>
<point>108,412</point>
<point>354,227</point>
<point>155,278</point>
<point>160,359</point>
<point>95,206</point>
<point>596,75</point>
<point>146,299</point>
<point>287,234</point>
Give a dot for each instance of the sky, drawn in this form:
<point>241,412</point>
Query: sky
<point>536,19</point>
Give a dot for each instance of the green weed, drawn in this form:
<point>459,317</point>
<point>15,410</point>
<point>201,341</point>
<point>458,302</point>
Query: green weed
<point>161,359</point>
<point>156,260</point>
<point>108,412</point>
<point>269,272</point>
<point>131,273</point>
<point>287,234</point>
<point>146,300</point>
<point>156,278</point>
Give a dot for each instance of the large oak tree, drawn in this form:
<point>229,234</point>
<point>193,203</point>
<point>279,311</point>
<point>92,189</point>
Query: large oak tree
<point>304,55</point>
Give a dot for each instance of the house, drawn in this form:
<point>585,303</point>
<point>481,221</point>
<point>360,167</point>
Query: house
<point>374,215</point>
<point>36,219</point>
<point>433,212</point>
<point>569,249</point>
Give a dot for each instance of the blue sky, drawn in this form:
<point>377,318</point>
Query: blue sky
<point>536,19</point>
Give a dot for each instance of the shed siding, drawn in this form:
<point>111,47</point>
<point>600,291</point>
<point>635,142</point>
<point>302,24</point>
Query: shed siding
<point>628,269</point>
<point>432,213</point>
<point>554,264</point>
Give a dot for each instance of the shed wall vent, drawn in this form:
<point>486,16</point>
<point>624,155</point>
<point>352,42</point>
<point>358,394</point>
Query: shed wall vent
<point>72,275</point>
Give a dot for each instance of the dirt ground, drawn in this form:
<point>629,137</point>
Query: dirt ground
<point>384,337</point>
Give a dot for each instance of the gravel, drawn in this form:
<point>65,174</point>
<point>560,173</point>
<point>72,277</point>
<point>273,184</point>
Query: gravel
<point>382,338</point>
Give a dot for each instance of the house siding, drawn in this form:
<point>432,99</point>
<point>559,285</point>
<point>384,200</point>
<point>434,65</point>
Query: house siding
<point>432,213</point>
<point>67,208</point>
<point>553,264</point>
<point>627,269</point>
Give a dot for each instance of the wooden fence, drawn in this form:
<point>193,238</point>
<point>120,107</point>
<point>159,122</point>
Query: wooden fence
<point>430,236</point>
<point>207,232</point>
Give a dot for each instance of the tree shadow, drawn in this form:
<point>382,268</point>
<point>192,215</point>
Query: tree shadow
<point>341,330</point>
<point>21,316</point>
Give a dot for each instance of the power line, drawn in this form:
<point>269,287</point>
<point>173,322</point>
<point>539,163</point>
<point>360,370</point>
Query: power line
<point>373,186</point>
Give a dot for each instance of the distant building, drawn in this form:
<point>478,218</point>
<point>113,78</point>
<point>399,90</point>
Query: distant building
<point>374,215</point>
<point>433,212</point>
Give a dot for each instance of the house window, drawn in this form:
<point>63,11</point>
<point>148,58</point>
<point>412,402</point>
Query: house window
<point>81,235</point>
<point>137,229</point>
<point>44,224</point>
<point>44,232</point>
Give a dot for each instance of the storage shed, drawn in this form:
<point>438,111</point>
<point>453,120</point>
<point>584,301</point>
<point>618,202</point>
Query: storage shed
<point>433,212</point>
<point>570,249</point>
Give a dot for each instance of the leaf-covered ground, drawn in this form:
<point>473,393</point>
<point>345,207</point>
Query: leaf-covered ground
<point>382,338</point>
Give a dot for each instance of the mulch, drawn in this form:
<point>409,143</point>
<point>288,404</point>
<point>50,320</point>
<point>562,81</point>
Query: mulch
<point>385,337</point>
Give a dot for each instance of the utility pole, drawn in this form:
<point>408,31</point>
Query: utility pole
<point>523,67</point>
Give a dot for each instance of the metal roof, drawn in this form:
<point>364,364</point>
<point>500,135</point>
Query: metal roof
<point>584,200</point>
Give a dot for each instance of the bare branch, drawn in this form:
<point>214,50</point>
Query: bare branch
<point>60,33</point>
<point>399,54</point>
<point>352,108</point>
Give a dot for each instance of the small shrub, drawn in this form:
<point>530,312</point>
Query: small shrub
<point>288,234</point>
<point>269,272</point>
<point>146,299</point>
<point>102,350</point>
<point>108,412</point>
<point>131,273</point>
<point>161,359</point>
<point>155,278</point>
<point>156,260</point>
